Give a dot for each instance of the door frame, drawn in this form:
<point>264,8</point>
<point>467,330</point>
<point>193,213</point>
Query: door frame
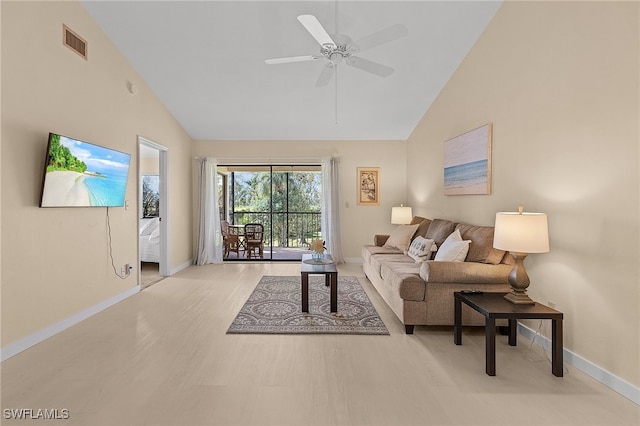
<point>163,172</point>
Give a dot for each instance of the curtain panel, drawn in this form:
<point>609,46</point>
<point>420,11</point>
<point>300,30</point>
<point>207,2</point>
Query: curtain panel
<point>210,248</point>
<point>331,208</point>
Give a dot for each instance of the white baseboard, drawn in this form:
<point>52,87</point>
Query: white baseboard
<point>39,336</point>
<point>353,260</point>
<point>605,377</point>
<point>180,267</point>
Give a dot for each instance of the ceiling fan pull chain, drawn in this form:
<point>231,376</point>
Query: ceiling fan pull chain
<point>335,9</point>
<point>336,97</point>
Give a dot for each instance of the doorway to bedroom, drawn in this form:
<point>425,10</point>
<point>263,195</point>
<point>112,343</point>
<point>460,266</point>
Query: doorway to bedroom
<point>151,208</point>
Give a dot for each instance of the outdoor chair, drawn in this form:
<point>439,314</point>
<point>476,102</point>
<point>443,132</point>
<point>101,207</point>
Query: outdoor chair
<point>230,239</point>
<point>254,240</point>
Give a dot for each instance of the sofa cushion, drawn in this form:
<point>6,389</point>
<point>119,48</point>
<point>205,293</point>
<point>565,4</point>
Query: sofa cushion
<point>368,251</point>
<point>453,249</point>
<point>439,230</point>
<point>380,239</point>
<point>400,238</point>
<point>423,225</point>
<point>421,249</point>
<point>404,278</point>
<point>388,268</point>
<point>416,220</point>
<point>464,272</point>
<point>481,247</point>
<point>377,261</point>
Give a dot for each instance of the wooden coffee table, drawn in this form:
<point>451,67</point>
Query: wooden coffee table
<point>330,278</point>
<point>493,306</point>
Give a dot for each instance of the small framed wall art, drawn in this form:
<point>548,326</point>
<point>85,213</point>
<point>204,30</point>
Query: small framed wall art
<point>368,186</point>
<point>467,163</point>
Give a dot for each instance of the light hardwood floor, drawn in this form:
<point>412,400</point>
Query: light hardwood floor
<point>149,274</point>
<point>162,357</point>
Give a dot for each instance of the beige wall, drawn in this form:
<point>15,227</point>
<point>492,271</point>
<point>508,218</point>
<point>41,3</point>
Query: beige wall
<point>55,262</point>
<point>559,82</point>
<point>359,223</point>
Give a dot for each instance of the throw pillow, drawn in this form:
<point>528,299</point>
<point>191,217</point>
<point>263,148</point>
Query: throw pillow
<point>154,238</point>
<point>421,249</point>
<point>149,226</point>
<point>453,249</point>
<point>401,237</point>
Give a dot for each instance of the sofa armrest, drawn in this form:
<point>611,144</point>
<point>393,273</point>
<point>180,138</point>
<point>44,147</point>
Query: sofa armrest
<point>464,272</point>
<point>379,240</point>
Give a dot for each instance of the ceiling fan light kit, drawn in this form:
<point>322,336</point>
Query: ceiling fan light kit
<point>337,52</point>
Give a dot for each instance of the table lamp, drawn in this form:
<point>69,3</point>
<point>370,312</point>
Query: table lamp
<point>401,215</point>
<point>520,233</point>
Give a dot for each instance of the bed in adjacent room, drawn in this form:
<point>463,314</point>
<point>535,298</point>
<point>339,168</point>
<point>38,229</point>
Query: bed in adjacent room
<point>150,240</point>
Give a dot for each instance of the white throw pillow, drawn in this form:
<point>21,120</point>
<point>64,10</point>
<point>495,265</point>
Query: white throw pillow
<point>421,249</point>
<point>401,237</point>
<point>154,238</point>
<point>453,249</point>
<point>150,226</point>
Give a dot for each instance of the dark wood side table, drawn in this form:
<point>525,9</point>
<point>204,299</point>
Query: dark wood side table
<point>330,278</point>
<point>493,306</point>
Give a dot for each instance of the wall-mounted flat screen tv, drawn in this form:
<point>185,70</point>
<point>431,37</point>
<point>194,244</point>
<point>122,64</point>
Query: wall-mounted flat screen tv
<point>80,174</point>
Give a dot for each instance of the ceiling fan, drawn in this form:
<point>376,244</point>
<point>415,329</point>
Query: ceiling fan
<point>340,48</point>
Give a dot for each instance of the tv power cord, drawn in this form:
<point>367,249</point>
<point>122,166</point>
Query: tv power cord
<point>115,270</point>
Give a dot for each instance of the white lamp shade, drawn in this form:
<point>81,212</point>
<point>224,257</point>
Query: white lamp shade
<point>521,232</point>
<point>401,215</point>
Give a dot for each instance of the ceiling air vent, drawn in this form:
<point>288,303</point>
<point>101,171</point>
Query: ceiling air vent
<point>74,42</point>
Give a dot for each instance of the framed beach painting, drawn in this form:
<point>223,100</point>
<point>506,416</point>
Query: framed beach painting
<point>368,186</point>
<point>467,163</point>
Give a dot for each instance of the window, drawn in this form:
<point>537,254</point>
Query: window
<point>286,199</point>
<point>222,195</point>
<point>150,196</point>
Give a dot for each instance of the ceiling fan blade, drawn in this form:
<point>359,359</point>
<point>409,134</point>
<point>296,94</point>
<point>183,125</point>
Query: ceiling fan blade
<point>316,29</point>
<point>369,66</point>
<point>291,59</point>
<point>326,74</point>
<point>386,35</point>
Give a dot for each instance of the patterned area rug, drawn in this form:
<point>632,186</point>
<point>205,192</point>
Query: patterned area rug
<point>275,307</point>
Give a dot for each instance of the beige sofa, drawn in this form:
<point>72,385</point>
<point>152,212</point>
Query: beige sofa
<point>422,293</point>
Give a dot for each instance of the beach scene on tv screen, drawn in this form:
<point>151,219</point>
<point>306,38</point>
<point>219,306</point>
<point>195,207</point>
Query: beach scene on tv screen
<point>80,174</point>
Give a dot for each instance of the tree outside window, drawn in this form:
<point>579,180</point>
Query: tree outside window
<point>150,196</point>
<point>287,201</point>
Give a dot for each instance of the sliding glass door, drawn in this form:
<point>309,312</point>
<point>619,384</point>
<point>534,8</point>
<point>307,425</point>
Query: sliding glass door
<point>285,199</point>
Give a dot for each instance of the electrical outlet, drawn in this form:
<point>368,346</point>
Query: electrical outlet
<point>125,271</point>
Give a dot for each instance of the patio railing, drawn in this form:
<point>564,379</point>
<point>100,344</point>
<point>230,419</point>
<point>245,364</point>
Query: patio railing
<point>289,229</point>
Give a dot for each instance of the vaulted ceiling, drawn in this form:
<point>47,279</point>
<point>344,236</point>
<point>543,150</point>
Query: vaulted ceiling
<point>205,61</point>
